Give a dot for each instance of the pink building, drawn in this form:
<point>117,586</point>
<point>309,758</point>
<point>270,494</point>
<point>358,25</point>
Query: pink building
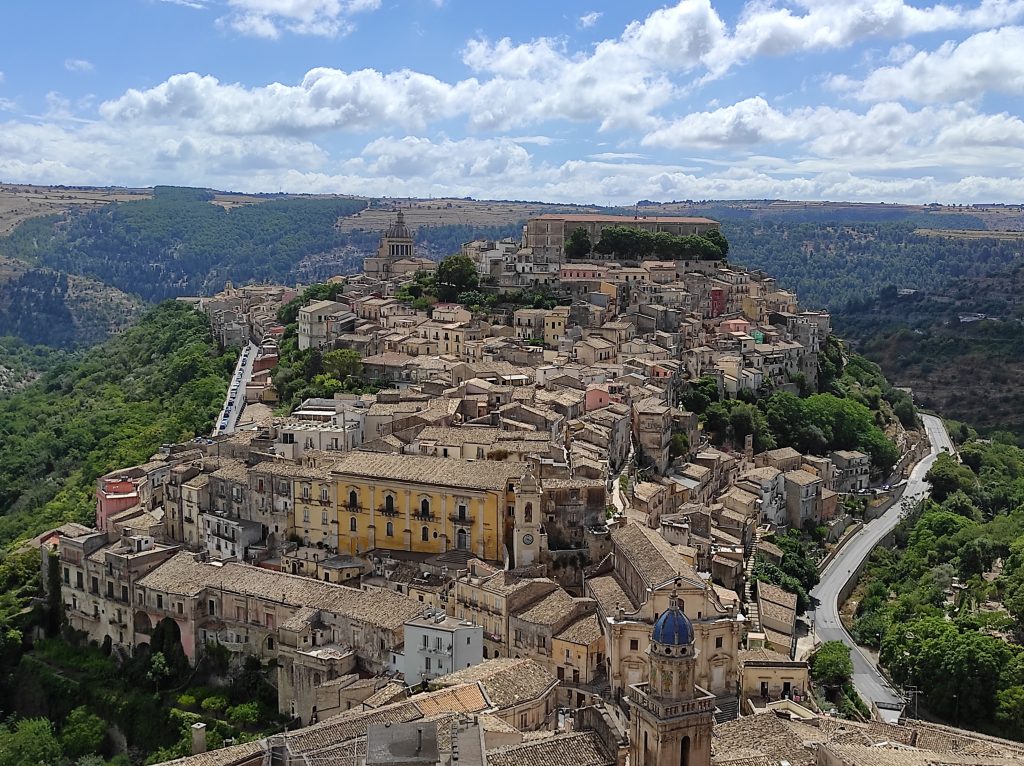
<point>112,497</point>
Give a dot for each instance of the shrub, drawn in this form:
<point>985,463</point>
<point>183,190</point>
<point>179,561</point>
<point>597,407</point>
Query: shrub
<point>215,704</point>
<point>247,714</point>
<point>186,700</point>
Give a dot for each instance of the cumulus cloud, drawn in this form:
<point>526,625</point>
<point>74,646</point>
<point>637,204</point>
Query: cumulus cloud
<point>588,20</point>
<point>987,61</point>
<point>268,18</point>
<point>78,65</point>
<point>325,99</point>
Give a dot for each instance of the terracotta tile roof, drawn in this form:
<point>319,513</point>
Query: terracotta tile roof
<point>226,756</point>
<point>762,655</point>
<point>583,748</point>
<point>766,734</point>
<point>549,609</point>
<point>183,575</point>
<point>507,682</point>
<point>417,469</point>
<point>465,698</point>
<point>610,594</point>
<point>653,557</point>
<point>583,631</point>
<point>393,691</point>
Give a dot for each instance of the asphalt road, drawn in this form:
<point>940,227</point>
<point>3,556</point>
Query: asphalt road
<point>827,626</point>
<point>234,401</point>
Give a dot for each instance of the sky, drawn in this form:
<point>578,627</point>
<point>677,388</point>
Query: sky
<point>568,101</point>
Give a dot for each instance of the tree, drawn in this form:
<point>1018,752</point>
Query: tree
<point>1010,709</point>
<point>947,476</point>
<point>578,245</point>
<point>83,733</point>
<point>158,669</point>
<point>718,239</point>
<point>343,363</point>
<point>456,274</point>
<point>831,664</point>
<point>30,742</point>
<point>679,445</point>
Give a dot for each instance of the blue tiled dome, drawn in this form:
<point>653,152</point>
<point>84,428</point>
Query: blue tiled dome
<point>673,628</point>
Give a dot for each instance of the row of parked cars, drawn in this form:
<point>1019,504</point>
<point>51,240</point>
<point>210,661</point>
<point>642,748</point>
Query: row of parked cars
<point>236,383</point>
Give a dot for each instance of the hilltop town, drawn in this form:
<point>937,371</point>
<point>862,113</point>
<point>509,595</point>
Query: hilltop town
<point>510,538</point>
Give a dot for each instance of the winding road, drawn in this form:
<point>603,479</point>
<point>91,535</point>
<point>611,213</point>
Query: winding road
<point>827,625</point>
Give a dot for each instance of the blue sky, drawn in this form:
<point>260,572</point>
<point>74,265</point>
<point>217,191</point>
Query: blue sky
<point>605,102</point>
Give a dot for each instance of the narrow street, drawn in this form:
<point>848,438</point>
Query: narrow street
<point>234,400</point>
<point>868,680</point>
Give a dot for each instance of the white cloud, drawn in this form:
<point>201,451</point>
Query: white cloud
<point>268,18</point>
<point>988,61</point>
<point>78,65</point>
<point>196,4</point>
<point>588,20</point>
<point>326,99</point>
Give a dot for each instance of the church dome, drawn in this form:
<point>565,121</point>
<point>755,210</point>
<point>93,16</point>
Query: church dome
<point>398,229</point>
<point>673,628</point>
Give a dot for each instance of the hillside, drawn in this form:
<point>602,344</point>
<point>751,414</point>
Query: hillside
<point>180,242</point>
<point>43,306</point>
<point>161,381</point>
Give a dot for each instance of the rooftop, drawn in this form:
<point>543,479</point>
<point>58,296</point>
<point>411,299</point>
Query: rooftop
<point>183,575</point>
<point>417,469</point>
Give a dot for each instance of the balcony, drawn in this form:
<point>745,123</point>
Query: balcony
<point>702,704</point>
<point>383,511</point>
<point>354,508</point>
<point>425,516</point>
<point>461,518</point>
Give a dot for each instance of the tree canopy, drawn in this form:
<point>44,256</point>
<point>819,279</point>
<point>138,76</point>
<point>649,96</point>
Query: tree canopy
<point>630,243</point>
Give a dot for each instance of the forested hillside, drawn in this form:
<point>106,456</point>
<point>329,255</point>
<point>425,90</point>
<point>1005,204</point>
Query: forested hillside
<point>831,264</point>
<point>946,606</point>
<point>162,381</point>
<point>179,243</point>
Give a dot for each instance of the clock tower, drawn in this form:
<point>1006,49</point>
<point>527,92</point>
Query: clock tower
<point>526,536</point>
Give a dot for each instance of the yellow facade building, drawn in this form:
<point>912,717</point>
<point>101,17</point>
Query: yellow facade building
<point>424,504</point>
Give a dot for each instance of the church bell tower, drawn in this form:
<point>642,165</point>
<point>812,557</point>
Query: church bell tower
<point>670,717</point>
<point>526,538</point>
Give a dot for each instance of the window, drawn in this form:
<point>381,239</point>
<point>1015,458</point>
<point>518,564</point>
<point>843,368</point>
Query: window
<point>159,601</point>
<point>212,606</point>
<point>390,530</point>
<point>353,497</point>
<point>124,593</point>
<point>718,642</point>
<point>67,576</point>
<point>305,515</point>
<point>634,645</point>
<point>181,607</point>
<point>389,504</point>
<point>305,492</point>
<point>426,641</point>
<point>351,524</point>
<point>78,581</point>
<point>110,589</point>
<point>424,507</point>
<point>426,664</point>
<point>424,534</point>
<point>323,518</point>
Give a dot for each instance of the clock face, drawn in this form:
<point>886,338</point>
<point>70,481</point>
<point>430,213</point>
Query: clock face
<point>527,539</point>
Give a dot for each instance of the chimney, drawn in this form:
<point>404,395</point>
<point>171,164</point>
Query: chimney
<point>198,738</point>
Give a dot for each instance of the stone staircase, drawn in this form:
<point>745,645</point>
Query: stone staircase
<point>748,587</point>
<point>726,709</point>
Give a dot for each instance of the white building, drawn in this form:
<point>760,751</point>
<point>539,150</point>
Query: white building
<point>436,645</point>
<point>313,321</point>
